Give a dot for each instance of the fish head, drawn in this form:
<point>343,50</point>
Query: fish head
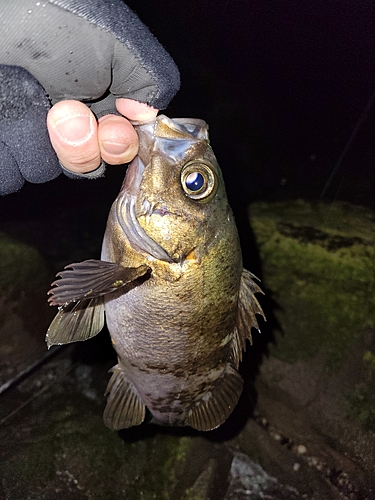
<point>173,203</point>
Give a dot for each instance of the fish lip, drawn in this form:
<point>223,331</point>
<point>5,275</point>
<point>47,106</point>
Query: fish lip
<point>127,218</point>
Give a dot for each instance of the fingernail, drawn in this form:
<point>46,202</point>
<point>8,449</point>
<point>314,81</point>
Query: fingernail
<point>74,128</point>
<point>114,148</point>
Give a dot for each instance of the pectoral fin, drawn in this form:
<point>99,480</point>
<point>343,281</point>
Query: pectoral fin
<point>216,406</point>
<point>76,321</point>
<point>79,292</point>
<point>248,307</point>
<point>124,406</point>
<point>90,279</point>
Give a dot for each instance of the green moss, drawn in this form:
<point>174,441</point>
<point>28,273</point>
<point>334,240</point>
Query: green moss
<point>189,495</point>
<point>140,470</point>
<point>369,359</point>
<point>22,268</point>
<point>319,265</point>
<point>29,468</point>
<point>75,453</point>
<point>335,218</point>
<point>162,457</point>
<point>362,400</point>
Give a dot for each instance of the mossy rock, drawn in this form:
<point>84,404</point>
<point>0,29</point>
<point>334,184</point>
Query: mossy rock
<point>24,313</point>
<point>22,268</point>
<point>361,403</point>
<point>58,447</point>
<point>319,264</point>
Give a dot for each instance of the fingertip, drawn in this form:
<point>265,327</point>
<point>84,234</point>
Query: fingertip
<point>118,139</point>
<point>135,110</point>
<point>63,108</point>
<point>72,129</point>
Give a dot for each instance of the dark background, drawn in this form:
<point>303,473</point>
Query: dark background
<point>283,84</point>
<point>284,87</point>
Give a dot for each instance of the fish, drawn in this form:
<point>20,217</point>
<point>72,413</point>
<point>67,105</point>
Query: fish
<point>170,284</point>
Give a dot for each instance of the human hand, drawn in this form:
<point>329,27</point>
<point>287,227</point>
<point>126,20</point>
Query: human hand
<point>81,142</point>
<point>99,53</point>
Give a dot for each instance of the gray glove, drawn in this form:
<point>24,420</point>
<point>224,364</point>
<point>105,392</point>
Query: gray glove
<point>92,51</point>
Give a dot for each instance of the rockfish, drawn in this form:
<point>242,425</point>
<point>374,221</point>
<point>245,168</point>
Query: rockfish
<point>178,304</point>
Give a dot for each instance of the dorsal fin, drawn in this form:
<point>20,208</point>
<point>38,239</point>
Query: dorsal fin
<point>216,406</point>
<point>248,307</point>
<point>124,406</point>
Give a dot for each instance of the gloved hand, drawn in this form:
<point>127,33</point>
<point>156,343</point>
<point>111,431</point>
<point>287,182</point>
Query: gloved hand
<point>97,52</point>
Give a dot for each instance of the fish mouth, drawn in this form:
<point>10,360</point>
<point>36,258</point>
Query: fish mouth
<point>127,218</point>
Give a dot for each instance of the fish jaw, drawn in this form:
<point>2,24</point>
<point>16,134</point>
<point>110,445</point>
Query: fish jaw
<point>125,214</point>
<point>150,225</point>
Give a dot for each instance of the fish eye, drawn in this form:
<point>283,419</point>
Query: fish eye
<point>194,181</point>
<point>198,181</point>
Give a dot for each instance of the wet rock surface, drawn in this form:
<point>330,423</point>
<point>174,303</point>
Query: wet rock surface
<point>23,309</point>
<point>318,268</point>
<point>55,445</point>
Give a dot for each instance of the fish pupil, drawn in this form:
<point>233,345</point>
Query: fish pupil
<point>194,181</point>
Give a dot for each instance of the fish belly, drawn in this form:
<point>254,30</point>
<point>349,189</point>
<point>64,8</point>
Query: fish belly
<point>157,354</point>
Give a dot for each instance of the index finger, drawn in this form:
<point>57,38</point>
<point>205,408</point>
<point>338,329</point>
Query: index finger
<point>135,110</point>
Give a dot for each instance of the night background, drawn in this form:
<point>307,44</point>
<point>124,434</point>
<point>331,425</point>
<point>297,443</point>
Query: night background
<point>283,86</point>
<point>288,91</point>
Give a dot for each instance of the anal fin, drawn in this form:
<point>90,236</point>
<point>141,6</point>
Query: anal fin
<point>216,406</point>
<point>124,406</point>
